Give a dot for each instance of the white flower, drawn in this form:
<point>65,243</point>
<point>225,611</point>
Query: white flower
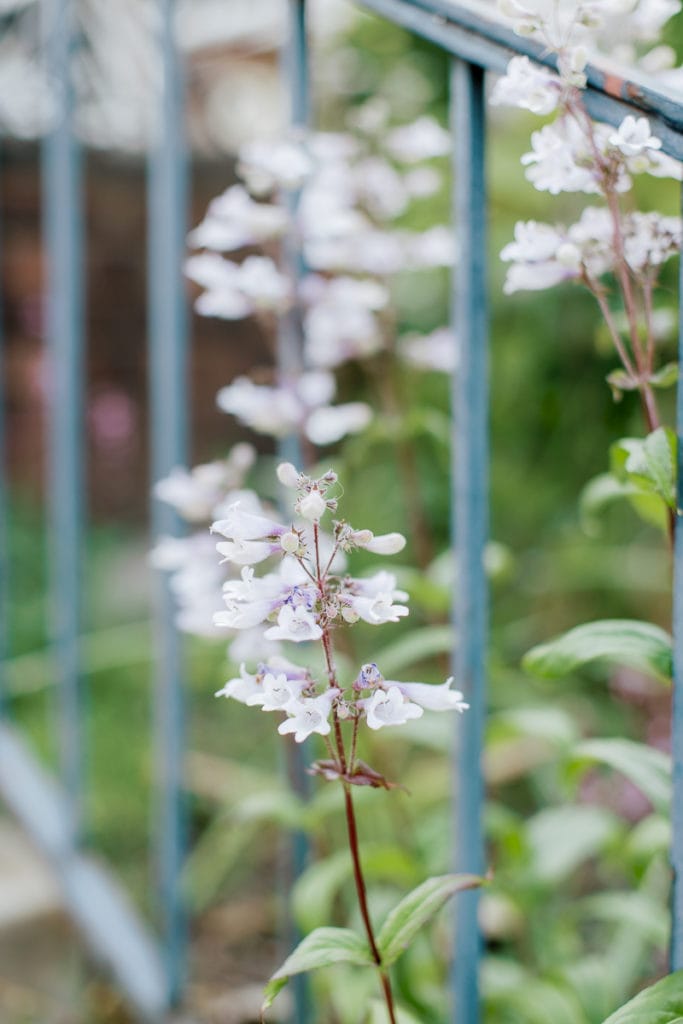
<point>422,182</point>
<point>246,552</point>
<point>296,624</point>
<point>241,524</point>
<point>309,715</point>
<point>269,165</point>
<point>435,247</point>
<point>235,290</point>
<point>242,689</point>
<point>377,609</point>
<point>268,410</point>
<point>233,220</point>
<point>421,140</point>
<point>528,86</point>
<point>561,159</point>
<point>389,707</point>
<point>436,351</point>
<point>330,423</point>
<point>340,323</point>
<point>380,188</point>
<point>633,136</point>
<point>277,692</point>
<point>430,697</point>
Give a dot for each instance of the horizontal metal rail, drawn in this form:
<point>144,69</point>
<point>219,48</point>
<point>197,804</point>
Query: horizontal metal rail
<point>471,32</point>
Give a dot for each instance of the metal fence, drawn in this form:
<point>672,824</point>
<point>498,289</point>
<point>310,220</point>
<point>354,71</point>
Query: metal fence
<point>148,964</point>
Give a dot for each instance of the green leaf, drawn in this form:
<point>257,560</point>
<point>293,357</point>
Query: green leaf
<point>666,377</point>
<point>661,1003</point>
<point>650,464</point>
<point>645,767</point>
<point>562,838</point>
<point>321,948</point>
<point>415,909</point>
<point>620,641</point>
<point>660,455</point>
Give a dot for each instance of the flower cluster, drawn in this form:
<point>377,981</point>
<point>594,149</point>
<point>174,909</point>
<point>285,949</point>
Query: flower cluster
<point>347,196</point>
<point>573,153</point>
<point>305,598</point>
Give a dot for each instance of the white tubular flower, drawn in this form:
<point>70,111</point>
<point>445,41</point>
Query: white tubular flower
<point>561,159</point>
<point>421,140</point>
<point>330,423</point>
<point>384,544</point>
<point>436,351</point>
<point>296,624</point>
<point>527,86</point>
<point>268,410</point>
<point>389,707</point>
<point>432,697</point>
<point>309,715</point>
<point>378,609</point>
<point>235,290</point>
<point>633,136</point>
<point>219,277</point>
<point>233,220</point>
<point>270,165</point>
<point>240,524</point>
<point>277,693</point>
<point>243,689</point>
<point>246,552</point>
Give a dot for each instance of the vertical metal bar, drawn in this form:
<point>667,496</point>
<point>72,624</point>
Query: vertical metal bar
<point>168,359</point>
<point>676,952</point>
<point>62,204</point>
<point>470,509</point>
<point>4,512</point>
<point>290,365</point>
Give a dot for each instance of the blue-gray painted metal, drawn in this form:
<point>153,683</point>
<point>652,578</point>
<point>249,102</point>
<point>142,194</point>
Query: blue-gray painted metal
<point>62,199</point>
<point>470,510</point>
<point>167,204</point>
<point>471,32</point>
<point>99,907</point>
<point>4,522</point>
<point>290,365</point>
<point>676,950</point>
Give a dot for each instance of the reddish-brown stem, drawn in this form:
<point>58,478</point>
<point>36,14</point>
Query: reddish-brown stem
<point>611,326</point>
<point>363,902</point>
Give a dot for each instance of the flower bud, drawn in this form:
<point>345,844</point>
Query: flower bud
<point>342,710</point>
<point>312,506</point>
<point>290,542</point>
<point>287,475</point>
<point>569,255</point>
<point>349,615</point>
<point>386,544</point>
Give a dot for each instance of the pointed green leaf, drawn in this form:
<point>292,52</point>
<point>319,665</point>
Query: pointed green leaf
<point>661,1003</point>
<point>666,377</point>
<point>648,463</point>
<point>621,641</point>
<point>660,453</point>
<point>321,948</point>
<point>561,838</point>
<point>647,768</point>
<point>415,909</point>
